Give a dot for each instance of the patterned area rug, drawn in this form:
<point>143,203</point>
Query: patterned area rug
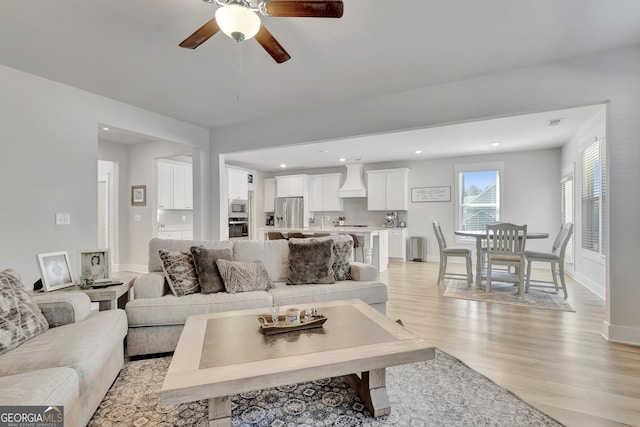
<point>507,293</point>
<point>439,392</point>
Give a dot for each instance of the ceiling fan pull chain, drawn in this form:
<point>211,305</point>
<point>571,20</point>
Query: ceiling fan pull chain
<point>238,59</point>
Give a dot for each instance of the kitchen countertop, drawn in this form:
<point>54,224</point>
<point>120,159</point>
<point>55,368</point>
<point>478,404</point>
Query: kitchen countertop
<point>310,230</point>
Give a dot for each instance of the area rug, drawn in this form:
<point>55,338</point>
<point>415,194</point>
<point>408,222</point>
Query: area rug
<point>507,293</point>
<point>439,392</point>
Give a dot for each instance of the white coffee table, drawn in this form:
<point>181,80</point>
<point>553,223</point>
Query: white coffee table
<point>225,353</point>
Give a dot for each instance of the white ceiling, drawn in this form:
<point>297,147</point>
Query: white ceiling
<point>128,50</point>
<point>516,133</point>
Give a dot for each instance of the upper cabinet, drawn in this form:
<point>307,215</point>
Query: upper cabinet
<point>175,185</point>
<point>323,193</point>
<point>269,194</point>
<point>388,189</point>
<point>238,184</point>
<point>292,186</point>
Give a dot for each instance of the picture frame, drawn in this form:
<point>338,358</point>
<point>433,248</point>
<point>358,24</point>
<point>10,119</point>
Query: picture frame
<point>138,195</point>
<point>431,194</point>
<point>95,264</point>
<point>55,270</point>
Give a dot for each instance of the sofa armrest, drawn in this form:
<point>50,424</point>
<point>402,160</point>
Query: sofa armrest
<point>150,285</point>
<point>64,307</point>
<point>362,272</point>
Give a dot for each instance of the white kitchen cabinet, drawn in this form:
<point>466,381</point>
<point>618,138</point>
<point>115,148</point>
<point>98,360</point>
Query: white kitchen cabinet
<point>388,189</point>
<point>323,193</point>
<point>238,184</point>
<point>269,194</point>
<point>292,186</point>
<point>398,243</point>
<point>175,185</point>
<point>175,235</point>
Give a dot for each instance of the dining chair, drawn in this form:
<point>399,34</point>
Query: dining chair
<point>505,248</point>
<point>555,258</point>
<point>296,235</point>
<point>356,245</point>
<point>446,252</point>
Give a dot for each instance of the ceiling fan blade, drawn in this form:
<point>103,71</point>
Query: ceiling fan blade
<point>201,35</point>
<point>304,9</point>
<point>271,45</point>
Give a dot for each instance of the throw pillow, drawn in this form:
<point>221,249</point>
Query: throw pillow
<point>310,261</point>
<point>20,317</point>
<point>342,247</point>
<point>242,276</point>
<point>179,272</point>
<point>207,270</point>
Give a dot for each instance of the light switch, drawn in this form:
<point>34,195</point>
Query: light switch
<point>137,218</point>
<point>63,219</point>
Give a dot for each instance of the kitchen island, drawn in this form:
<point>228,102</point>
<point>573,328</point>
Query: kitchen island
<point>375,240</point>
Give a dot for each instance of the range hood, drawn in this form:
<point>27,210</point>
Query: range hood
<point>354,184</point>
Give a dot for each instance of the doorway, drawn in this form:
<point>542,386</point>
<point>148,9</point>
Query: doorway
<point>107,221</point>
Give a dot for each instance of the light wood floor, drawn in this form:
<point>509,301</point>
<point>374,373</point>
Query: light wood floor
<point>556,361</point>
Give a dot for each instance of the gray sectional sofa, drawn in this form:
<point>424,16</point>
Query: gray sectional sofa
<point>72,364</point>
<point>156,317</point>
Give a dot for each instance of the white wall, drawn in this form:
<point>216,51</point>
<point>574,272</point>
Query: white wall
<point>611,76</point>
<point>49,160</point>
<point>589,268</point>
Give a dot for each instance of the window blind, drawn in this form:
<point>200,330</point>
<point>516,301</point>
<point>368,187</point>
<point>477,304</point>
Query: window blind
<point>593,197</point>
<point>567,213</point>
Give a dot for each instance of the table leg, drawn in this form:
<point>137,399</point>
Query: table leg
<point>106,305</point>
<point>372,389</point>
<point>220,412</point>
<point>478,261</point>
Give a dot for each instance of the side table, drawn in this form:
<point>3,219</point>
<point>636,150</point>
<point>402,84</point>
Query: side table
<point>111,297</point>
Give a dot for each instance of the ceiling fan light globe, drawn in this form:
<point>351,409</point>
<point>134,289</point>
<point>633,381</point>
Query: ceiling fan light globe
<point>237,22</point>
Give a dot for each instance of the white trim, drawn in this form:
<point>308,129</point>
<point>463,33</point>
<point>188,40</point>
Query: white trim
<point>594,287</point>
<point>136,268</point>
<point>620,334</point>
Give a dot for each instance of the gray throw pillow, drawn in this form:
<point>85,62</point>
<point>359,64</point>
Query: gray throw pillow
<point>310,261</point>
<point>207,270</point>
<point>342,247</point>
<point>20,317</point>
<point>243,276</point>
<point>180,272</point>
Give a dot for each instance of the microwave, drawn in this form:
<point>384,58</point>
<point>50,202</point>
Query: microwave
<point>237,206</point>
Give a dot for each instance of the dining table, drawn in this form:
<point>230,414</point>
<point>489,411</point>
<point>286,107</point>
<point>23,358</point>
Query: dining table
<point>481,235</point>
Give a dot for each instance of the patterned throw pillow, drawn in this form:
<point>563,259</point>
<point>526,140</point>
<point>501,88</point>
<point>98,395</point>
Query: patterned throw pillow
<point>342,247</point>
<point>20,317</point>
<point>180,272</point>
<point>242,276</point>
<point>207,270</point>
<point>310,261</point>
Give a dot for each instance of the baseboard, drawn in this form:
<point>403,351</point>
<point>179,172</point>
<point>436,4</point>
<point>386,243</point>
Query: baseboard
<point>590,284</point>
<point>621,334</point>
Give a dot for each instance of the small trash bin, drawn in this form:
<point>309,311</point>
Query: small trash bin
<point>418,248</point>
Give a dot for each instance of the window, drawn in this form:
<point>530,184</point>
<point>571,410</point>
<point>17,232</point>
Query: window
<point>566,205</point>
<point>594,197</point>
<point>478,197</point>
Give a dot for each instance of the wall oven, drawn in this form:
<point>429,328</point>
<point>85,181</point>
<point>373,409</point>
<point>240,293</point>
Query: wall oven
<point>238,227</point>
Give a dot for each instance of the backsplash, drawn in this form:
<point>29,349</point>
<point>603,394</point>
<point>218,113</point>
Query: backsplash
<point>356,213</point>
<point>175,219</point>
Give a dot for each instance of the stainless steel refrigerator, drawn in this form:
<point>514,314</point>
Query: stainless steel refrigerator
<point>289,212</point>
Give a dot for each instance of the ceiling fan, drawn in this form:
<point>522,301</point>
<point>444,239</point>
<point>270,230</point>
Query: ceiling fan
<point>239,20</point>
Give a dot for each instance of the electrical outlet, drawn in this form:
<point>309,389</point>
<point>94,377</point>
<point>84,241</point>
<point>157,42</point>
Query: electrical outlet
<point>137,218</point>
<point>63,219</point>
<point>184,218</point>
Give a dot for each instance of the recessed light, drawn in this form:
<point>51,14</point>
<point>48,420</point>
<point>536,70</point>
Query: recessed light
<point>105,128</point>
<point>342,159</point>
<point>496,144</point>
<point>417,152</point>
<point>282,165</point>
<point>323,151</point>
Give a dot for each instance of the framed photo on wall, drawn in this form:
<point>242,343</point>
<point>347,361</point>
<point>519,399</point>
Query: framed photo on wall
<point>55,270</point>
<point>96,265</point>
<point>138,195</point>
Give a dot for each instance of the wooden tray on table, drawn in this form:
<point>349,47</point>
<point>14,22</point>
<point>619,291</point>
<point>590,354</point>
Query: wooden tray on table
<point>268,328</point>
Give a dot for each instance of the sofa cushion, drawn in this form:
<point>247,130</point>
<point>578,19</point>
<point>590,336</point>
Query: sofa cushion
<point>85,347</point>
<point>369,292</point>
<point>171,310</point>
<point>241,276</point>
<point>20,317</point>
<point>274,254</point>
<point>207,270</point>
<point>52,386</point>
<point>180,272</point>
<point>155,244</point>
<point>310,261</point>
